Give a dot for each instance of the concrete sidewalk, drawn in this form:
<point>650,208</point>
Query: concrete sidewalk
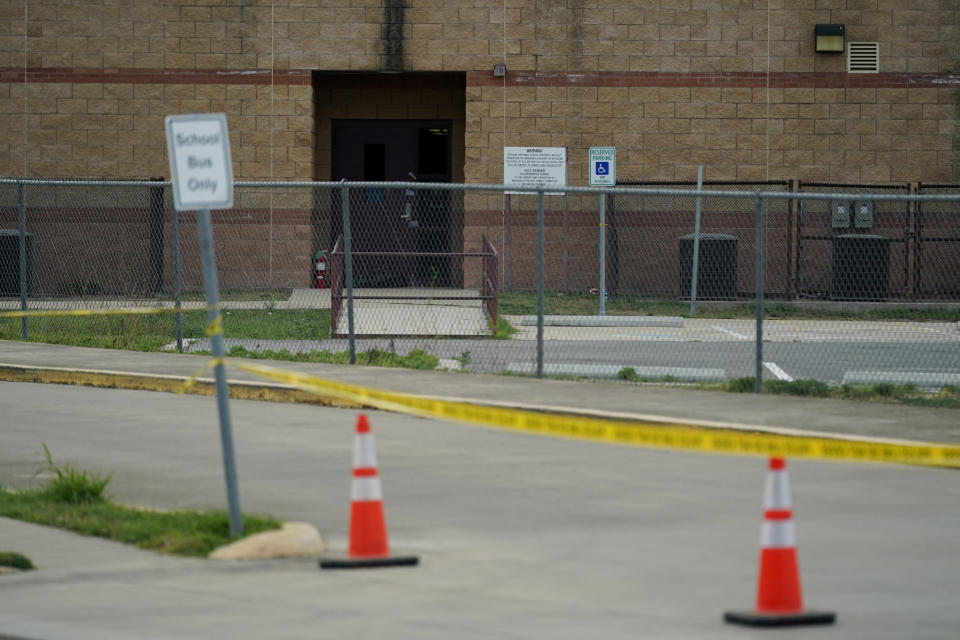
<point>165,371</point>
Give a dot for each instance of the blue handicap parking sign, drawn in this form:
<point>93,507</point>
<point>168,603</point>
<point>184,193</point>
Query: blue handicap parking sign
<point>603,168</point>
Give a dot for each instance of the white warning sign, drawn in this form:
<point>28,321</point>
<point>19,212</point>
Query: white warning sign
<point>535,167</point>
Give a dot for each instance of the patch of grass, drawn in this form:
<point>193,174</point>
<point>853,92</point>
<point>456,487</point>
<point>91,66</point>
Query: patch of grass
<point>558,303</point>
<point>77,501</point>
<point>803,387</point>
<point>415,359</point>
<point>152,332</point>
<point>740,385</point>
<point>948,397</point>
<point>73,486</point>
<point>15,560</point>
<point>504,330</point>
<point>579,304</point>
<point>629,374</point>
<point>277,324</point>
<point>185,533</point>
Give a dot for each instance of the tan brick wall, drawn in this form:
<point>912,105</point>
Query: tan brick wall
<point>869,134</point>
<point>116,130</point>
<point>538,35</point>
<point>664,130</point>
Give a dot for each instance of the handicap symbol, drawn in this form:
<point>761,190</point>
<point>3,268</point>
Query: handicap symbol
<point>602,168</point>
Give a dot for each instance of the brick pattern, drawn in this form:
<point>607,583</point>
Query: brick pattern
<point>675,83</point>
<point>887,127</point>
<point>101,130</point>
<point>466,35</point>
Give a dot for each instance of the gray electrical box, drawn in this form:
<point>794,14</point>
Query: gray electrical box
<point>840,213</point>
<point>863,214</point>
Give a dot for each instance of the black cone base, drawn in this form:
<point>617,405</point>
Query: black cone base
<point>754,619</point>
<point>368,563</point>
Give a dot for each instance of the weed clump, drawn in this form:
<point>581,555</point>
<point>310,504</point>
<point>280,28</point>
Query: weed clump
<point>804,387</point>
<point>73,486</point>
<point>15,560</point>
<point>740,385</point>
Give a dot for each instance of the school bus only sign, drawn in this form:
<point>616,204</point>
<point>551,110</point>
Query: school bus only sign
<point>200,169</point>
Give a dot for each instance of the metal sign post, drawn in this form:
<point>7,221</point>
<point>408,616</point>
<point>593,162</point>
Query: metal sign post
<point>540,283</point>
<point>695,271</point>
<point>603,173</point>
<point>348,270</point>
<point>603,254</point>
<point>759,263</point>
<point>202,178</point>
<point>22,222</point>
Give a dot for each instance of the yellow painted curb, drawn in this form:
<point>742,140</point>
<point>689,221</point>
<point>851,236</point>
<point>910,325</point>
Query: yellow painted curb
<point>240,390</point>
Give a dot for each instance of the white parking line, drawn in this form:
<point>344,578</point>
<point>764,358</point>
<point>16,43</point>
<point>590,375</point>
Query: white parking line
<point>777,371</point>
<point>739,336</point>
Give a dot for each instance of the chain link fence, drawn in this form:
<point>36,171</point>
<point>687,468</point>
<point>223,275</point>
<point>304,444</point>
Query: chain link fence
<point>935,258</point>
<point>859,281</point>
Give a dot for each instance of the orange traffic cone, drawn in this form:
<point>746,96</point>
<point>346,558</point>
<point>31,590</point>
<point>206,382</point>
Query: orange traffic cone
<point>779,599</point>
<point>368,528</point>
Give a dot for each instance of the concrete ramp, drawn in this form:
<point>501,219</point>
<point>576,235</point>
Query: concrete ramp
<point>415,312</point>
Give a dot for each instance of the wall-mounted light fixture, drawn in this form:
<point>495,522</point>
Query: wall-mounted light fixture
<point>499,70</point>
<point>829,38</point>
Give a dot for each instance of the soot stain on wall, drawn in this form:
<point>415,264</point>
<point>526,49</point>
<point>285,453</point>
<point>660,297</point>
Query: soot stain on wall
<point>391,34</point>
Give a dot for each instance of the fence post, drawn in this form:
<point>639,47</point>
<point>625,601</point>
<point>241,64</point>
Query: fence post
<point>508,241</point>
<point>793,233</point>
<point>540,283</point>
<point>348,266</point>
<point>566,251</point>
<point>156,235</point>
<point>914,211</point>
<point>758,253</point>
<point>22,224</point>
<point>695,271</point>
<point>613,246</point>
<point>177,302</point>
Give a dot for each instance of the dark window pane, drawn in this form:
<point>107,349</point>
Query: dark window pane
<point>374,162</point>
<point>433,151</point>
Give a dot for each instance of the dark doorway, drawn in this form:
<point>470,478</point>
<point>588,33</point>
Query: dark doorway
<point>392,220</point>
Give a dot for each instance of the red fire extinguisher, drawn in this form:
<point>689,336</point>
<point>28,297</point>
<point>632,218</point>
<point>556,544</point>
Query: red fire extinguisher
<point>320,269</point>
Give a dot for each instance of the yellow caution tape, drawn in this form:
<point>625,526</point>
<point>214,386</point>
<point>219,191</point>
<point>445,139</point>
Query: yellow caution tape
<point>665,435</point>
<point>42,313</point>
<point>216,326</point>
<point>192,380</point>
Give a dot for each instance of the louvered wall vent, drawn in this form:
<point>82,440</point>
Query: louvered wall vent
<point>863,57</point>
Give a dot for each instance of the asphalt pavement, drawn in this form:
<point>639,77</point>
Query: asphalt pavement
<point>520,536</point>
